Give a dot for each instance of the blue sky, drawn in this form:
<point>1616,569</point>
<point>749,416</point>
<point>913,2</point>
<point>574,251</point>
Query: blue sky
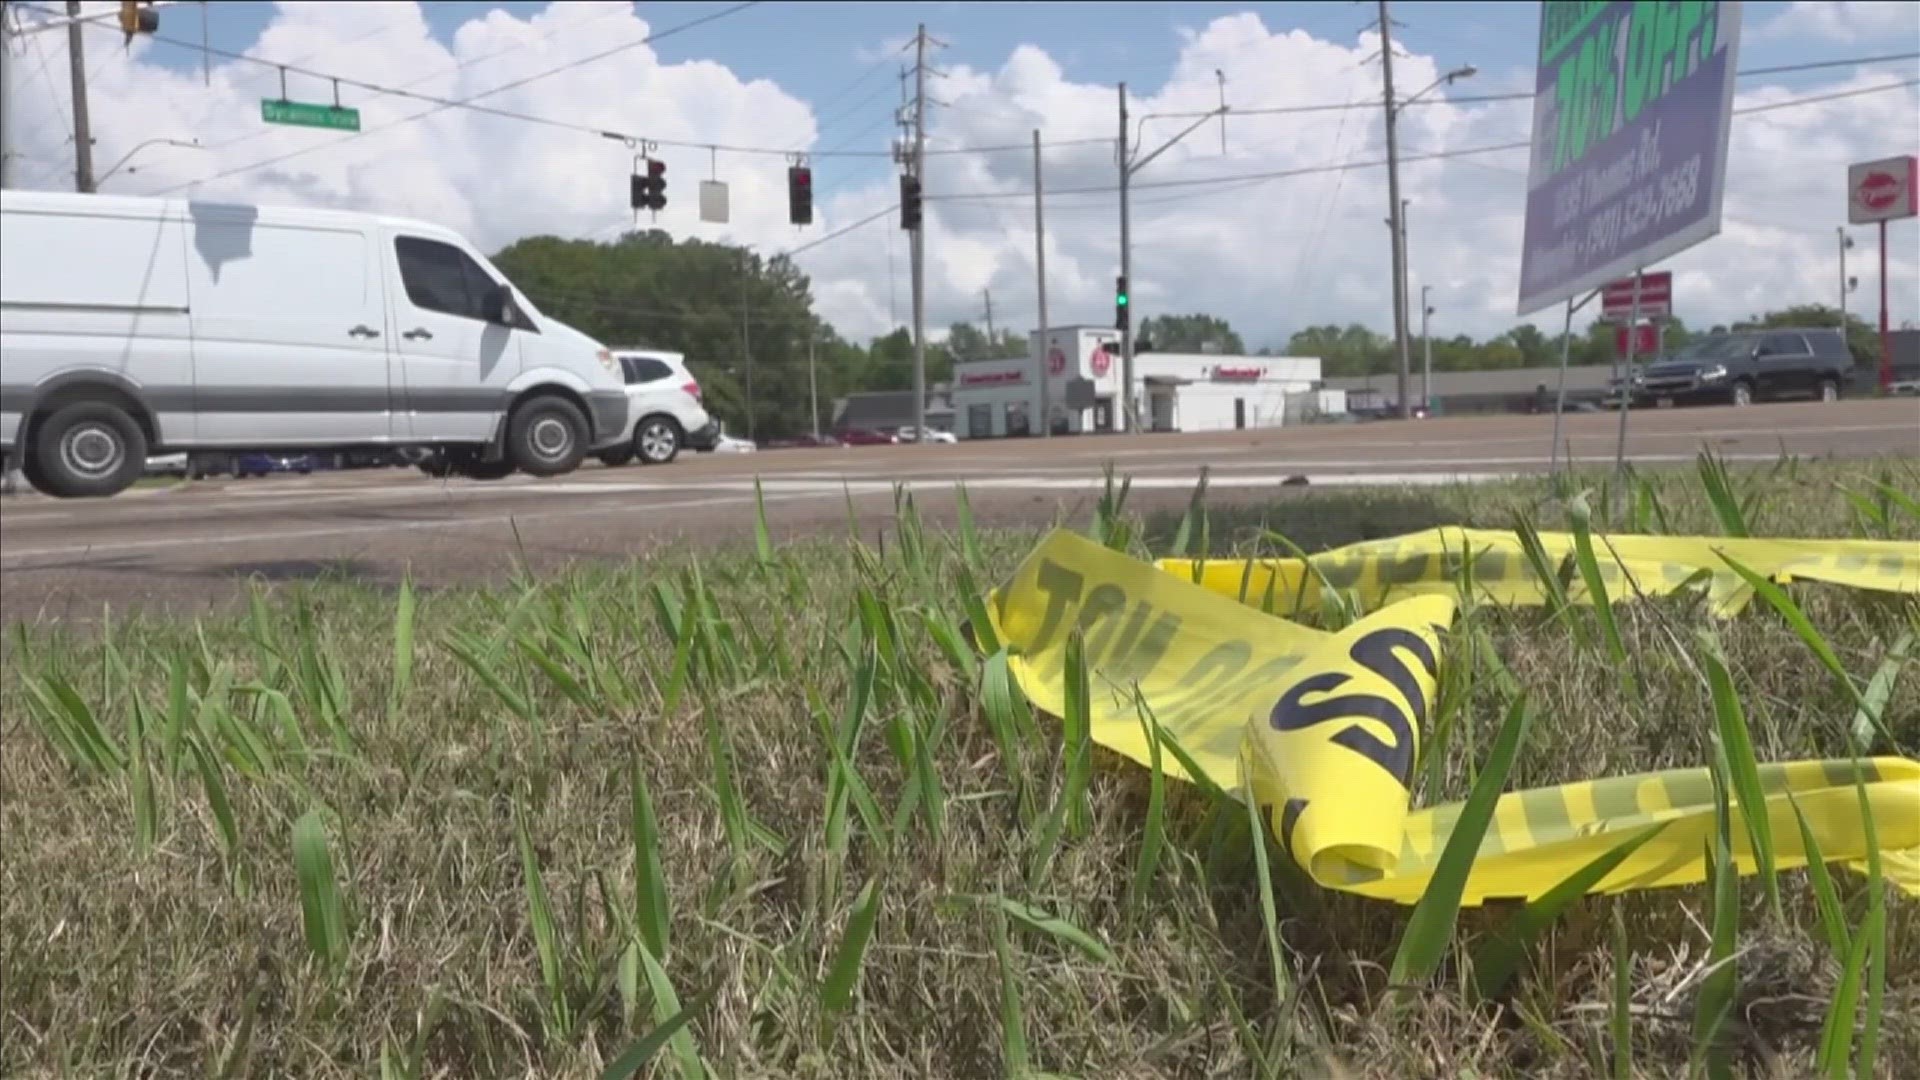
<point>815,50</point>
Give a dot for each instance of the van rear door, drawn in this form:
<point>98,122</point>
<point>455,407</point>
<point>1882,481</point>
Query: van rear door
<point>290,343</point>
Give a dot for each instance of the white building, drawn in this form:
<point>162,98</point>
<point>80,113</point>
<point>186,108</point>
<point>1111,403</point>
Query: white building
<point>1173,391</point>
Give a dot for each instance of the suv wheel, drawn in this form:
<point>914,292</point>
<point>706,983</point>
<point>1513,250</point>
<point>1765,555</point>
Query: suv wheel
<point>546,436</point>
<point>1829,390</point>
<point>657,440</point>
<point>87,450</point>
<point>1743,393</point>
<point>615,456</point>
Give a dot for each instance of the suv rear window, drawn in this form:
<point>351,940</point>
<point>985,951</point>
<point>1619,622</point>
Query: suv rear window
<point>644,369</point>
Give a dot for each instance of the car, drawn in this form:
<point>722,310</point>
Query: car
<point>934,435</point>
<point>262,463</point>
<point>1744,366</point>
<point>804,442</point>
<point>864,437</point>
<point>663,398</point>
<point>135,326</point>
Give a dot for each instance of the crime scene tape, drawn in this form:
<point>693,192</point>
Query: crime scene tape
<point>1428,563</point>
<point>1333,722</point>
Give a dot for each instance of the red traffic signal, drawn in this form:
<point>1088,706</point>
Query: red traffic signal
<point>649,191</point>
<point>800,195</point>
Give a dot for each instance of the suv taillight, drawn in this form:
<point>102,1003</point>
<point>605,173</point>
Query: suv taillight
<point>692,387</point>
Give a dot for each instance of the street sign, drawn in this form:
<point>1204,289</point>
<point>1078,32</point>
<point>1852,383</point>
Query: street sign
<point>1656,297</point>
<point>1056,362</point>
<point>1632,105</point>
<point>1883,190</point>
<point>307,114</point>
<point>1646,340</point>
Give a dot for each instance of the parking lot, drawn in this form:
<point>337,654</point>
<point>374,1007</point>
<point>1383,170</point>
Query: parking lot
<point>183,545</point>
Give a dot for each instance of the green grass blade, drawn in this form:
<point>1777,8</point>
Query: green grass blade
<point>402,648</point>
<point>1008,717</point>
<point>666,1006</point>
<point>641,1050</point>
<point>1497,958</point>
<point>651,912</point>
<point>1430,928</point>
<point>762,538</point>
<point>1867,718</point>
<point>146,807</point>
<point>969,536</point>
<point>546,936</point>
<point>1720,495</point>
<point>1777,599</point>
<point>1154,836</point>
<point>1620,1019</point>
<point>1014,1059</point>
<point>474,655</point>
<point>1547,575</point>
<point>1833,919</point>
<point>1736,741</point>
<point>1045,922</point>
<point>322,909</point>
<point>1263,878</point>
<point>1836,1032</point>
<point>1719,987</point>
<point>1596,586</point>
<point>836,993</point>
<point>217,800</point>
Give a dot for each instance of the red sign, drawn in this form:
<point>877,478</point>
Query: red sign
<point>1656,297</point>
<point>1883,190</point>
<point>992,378</point>
<point>1239,374</point>
<point>1646,340</point>
<point>1056,362</point>
<point>1102,361</point>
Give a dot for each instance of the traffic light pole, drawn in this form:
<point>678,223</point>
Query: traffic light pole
<point>918,239</point>
<point>82,127</point>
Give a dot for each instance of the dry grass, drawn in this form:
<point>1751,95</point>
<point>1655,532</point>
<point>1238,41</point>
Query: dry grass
<point>136,942</point>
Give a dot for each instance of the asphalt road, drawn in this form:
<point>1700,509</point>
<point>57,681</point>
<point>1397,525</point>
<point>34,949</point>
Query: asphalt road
<point>186,546</point>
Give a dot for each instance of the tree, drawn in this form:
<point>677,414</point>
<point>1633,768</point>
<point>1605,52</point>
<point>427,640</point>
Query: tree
<point>1190,334</point>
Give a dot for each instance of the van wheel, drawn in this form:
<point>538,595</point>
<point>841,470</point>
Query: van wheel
<point>546,436</point>
<point>615,456</point>
<point>657,440</point>
<point>88,450</point>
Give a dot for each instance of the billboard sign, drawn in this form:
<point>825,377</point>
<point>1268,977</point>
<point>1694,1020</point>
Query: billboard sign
<point>1656,297</point>
<point>1646,340</point>
<point>1883,190</point>
<point>1632,106</point>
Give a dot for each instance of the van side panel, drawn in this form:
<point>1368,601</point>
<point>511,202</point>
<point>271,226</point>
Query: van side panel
<point>95,296</point>
<point>290,342</point>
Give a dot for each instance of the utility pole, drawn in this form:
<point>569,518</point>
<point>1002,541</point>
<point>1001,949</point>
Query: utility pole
<point>918,239</point>
<point>746,344</point>
<point>1040,279</point>
<point>1426,347</point>
<point>988,293</point>
<point>1126,272</point>
<point>1845,243</point>
<point>7,132</point>
<point>1393,207</point>
<point>82,129</point>
<point>813,387</point>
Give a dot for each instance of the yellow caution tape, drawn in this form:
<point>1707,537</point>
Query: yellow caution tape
<point>1428,563</point>
<point>1333,721</point>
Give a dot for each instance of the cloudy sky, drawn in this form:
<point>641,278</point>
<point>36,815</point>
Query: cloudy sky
<point>1282,228</point>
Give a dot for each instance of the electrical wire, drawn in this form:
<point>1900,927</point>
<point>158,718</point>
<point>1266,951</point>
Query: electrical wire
<point>842,231</point>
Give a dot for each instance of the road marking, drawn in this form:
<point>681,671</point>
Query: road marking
<point>15,555</point>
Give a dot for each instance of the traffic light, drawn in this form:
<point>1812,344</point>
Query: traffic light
<point>800,195</point>
<point>1120,302</point>
<point>648,191</point>
<point>910,202</point>
<point>138,18</point>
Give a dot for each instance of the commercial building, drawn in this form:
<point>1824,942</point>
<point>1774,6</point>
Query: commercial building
<point>1174,391</point>
<point>1495,391</point>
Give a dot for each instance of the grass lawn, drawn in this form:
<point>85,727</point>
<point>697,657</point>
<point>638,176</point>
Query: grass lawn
<point>524,831</point>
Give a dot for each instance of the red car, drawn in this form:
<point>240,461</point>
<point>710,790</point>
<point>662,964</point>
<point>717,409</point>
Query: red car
<point>800,442</point>
<point>864,437</point>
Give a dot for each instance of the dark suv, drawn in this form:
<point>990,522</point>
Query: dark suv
<point>1748,366</point>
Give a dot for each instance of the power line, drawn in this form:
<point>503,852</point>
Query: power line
<point>1523,95</point>
<point>442,104</point>
<point>842,231</point>
<point>1440,155</point>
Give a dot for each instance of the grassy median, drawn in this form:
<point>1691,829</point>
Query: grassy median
<point>611,820</point>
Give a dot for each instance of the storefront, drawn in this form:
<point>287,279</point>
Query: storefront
<point>1174,391</point>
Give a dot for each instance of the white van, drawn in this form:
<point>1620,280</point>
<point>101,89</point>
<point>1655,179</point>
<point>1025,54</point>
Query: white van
<point>137,326</point>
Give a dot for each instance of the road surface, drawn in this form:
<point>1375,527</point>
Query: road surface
<point>185,546</point>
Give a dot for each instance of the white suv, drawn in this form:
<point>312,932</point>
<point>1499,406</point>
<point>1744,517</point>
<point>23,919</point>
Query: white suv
<point>664,400</point>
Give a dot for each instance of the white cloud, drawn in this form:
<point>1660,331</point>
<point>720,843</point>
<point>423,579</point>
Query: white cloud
<point>1852,22</point>
<point>1270,255</point>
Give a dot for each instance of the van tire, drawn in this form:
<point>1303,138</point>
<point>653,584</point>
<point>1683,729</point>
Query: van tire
<point>87,450</point>
<point>546,436</point>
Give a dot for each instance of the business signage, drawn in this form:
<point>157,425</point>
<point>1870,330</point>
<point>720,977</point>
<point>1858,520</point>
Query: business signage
<point>1655,299</point>
<point>1238,374</point>
<point>1632,106</point>
<point>992,378</point>
<point>1101,361</point>
<point>1056,362</point>
<point>1646,340</point>
<point>1883,190</point>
